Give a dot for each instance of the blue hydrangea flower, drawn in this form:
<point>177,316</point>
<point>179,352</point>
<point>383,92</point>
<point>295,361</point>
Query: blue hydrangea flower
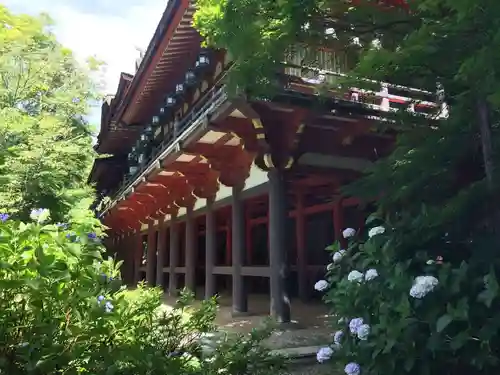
<point>352,369</point>
<point>92,236</point>
<point>337,337</point>
<point>363,332</point>
<point>324,354</point>
<point>100,299</point>
<point>62,225</point>
<point>4,217</point>
<point>354,325</point>
<point>174,354</point>
<point>108,307</point>
<point>75,100</point>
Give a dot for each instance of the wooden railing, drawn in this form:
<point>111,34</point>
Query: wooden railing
<point>386,97</point>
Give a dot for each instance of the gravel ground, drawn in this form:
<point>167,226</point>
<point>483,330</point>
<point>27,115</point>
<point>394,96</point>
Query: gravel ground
<point>294,338</point>
<point>313,369</point>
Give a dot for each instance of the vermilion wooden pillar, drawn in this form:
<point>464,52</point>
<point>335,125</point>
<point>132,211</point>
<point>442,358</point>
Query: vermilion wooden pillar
<point>161,249</point>
<point>138,251</point>
<point>126,268</point>
<point>210,248</point>
<point>190,251</point>
<point>278,265</point>
<point>301,249</point>
<point>239,295</point>
<point>151,254</point>
<point>174,255</point>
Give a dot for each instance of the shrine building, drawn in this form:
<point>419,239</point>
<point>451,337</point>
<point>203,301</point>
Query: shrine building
<point>212,192</point>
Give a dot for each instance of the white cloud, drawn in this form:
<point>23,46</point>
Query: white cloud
<point>101,31</point>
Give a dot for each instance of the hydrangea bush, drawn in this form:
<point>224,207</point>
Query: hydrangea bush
<point>418,314</point>
<point>64,310</point>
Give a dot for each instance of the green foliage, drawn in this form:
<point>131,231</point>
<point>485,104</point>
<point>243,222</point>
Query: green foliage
<point>436,191</point>
<point>451,329</point>
<point>45,142</point>
<point>64,310</point>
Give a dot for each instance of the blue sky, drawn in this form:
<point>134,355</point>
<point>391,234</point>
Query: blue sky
<point>108,29</point>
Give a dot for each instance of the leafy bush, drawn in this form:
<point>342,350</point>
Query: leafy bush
<point>426,312</point>
<point>64,310</point>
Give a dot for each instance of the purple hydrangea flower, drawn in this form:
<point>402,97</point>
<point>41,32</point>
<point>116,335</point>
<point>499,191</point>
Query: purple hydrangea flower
<point>4,217</point>
<point>100,299</point>
<point>92,236</point>
<point>352,369</point>
<point>75,100</point>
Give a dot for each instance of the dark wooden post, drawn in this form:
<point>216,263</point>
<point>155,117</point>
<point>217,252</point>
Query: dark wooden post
<point>161,248</point>
<point>210,247</point>
<point>151,255</point>
<point>174,255</point>
<point>338,221</point>
<point>190,251</point>
<point>240,298</point>
<point>280,301</point>
<point>229,241</point>
<point>248,236</point>
<point>301,249</point>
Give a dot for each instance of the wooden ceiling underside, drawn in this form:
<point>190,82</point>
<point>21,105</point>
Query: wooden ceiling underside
<point>223,153</point>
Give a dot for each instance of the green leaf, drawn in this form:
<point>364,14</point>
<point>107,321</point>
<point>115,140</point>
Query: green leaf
<point>443,322</point>
<point>409,363</point>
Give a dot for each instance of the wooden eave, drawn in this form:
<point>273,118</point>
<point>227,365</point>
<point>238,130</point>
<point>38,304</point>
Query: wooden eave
<point>107,172</point>
<point>174,47</point>
<point>108,131</point>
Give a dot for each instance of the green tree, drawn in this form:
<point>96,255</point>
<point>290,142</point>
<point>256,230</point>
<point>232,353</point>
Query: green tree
<point>260,35</point>
<point>44,137</point>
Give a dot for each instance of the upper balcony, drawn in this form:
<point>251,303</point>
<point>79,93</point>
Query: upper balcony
<point>176,127</point>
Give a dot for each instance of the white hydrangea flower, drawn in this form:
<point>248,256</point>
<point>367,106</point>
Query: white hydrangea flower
<point>324,354</point>
<point>338,255</point>
<point>423,285</point>
<point>355,276</point>
<point>321,285</point>
<point>376,231</point>
<point>349,232</point>
<point>371,274</point>
<point>40,215</point>
<point>363,331</point>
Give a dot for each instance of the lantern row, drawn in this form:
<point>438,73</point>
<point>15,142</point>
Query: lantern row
<point>143,148</point>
